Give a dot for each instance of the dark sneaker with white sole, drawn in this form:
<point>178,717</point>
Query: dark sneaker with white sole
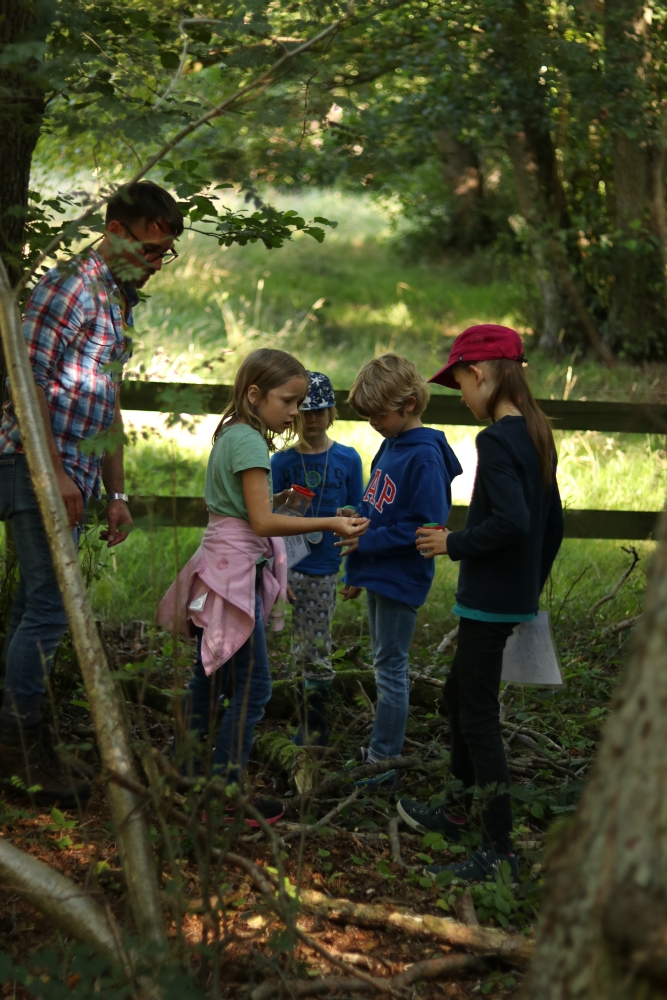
<point>425,819</point>
<point>481,866</point>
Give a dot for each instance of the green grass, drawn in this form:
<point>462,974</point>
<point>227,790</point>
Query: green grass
<point>371,297</point>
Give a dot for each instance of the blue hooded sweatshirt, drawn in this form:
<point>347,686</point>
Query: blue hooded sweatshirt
<point>410,485</point>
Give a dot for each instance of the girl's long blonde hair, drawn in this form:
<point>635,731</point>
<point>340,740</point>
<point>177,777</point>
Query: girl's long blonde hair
<point>511,383</point>
<point>267,369</point>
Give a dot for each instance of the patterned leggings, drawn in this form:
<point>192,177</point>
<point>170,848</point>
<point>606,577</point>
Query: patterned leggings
<point>312,612</point>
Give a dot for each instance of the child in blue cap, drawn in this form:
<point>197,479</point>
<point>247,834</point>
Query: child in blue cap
<point>333,472</point>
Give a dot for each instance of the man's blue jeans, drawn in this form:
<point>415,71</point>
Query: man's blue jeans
<point>245,684</point>
<point>392,625</point>
<point>38,620</point>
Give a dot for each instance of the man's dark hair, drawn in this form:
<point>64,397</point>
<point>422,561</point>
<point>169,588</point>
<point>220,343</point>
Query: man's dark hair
<point>147,201</point>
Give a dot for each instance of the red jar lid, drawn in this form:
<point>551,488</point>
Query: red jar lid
<point>303,491</point>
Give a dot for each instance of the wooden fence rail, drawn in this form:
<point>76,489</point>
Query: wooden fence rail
<point>195,398</point>
<point>189,512</point>
<point>567,415</point>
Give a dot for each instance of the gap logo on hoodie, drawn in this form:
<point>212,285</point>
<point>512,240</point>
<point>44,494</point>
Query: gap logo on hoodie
<point>386,495</point>
<point>410,485</point>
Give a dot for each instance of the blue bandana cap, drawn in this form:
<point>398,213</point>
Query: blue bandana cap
<point>320,393</point>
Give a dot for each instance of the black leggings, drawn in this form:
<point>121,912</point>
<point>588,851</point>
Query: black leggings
<point>470,702</point>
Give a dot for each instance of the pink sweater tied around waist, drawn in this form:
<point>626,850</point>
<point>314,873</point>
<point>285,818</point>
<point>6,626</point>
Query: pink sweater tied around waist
<point>216,589</point>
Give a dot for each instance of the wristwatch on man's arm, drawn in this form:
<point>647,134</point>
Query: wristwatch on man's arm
<point>117,496</point>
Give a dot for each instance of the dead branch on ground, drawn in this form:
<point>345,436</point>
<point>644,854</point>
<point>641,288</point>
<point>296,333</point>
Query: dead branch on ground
<point>432,968</point>
<point>464,908</point>
<point>448,641</point>
<point>482,941</point>
<point>71,908</point>
<point>621,626</point>
<point>632,551</point>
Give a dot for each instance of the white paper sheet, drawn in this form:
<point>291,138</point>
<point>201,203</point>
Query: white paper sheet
<point>297,548</point>
<point>530,654</point>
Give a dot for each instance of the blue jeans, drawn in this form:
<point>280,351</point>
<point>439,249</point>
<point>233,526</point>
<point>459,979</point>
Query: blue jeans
<point>38,620</point>
<point>392,625</point>
<point>246,681</point>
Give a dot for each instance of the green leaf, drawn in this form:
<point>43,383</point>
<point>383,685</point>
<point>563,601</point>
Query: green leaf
<point>357,860</point>
<point>170,60</point>
<point>317,234</point>
<point>443,904</point>
<point>57,818</point>
<point>323,853</point>
<point>425,882</point>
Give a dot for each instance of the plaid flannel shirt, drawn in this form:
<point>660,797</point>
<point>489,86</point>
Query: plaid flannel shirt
<point>74,329</point>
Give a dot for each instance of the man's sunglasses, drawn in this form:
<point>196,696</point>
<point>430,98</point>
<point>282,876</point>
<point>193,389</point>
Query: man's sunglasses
<point>166,256</point>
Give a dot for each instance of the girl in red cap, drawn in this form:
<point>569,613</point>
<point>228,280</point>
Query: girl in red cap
<point>512,534</point>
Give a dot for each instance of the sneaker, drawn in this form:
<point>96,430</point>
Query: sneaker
<point>482,865</point>
<point>426,820</point>
<point>388,781</point>
<point>271,809</point>
<point>30,759</point>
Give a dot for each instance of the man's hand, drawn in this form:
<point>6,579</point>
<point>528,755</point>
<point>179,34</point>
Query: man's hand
<point>349,593</point>
<point>432,541</point>
<point>348,545</point>
<point>120,523</point>
<point>72,498</point>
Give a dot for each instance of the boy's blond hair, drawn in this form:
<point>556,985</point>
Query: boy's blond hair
<point>386,383</point>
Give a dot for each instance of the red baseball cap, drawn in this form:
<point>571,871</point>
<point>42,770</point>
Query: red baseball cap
<point>486,342</point>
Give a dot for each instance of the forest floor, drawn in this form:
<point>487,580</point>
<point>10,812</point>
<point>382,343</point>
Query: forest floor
<point>201,317</point>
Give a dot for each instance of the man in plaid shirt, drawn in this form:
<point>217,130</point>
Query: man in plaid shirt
<point>76,327</point>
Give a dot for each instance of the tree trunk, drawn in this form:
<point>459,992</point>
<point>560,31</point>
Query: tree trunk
<point>604,920</point>
<point>638,314</point>
<point>462,174</point>
<point>22,112</point>
<point>105,701</point>
<point>524,169</point>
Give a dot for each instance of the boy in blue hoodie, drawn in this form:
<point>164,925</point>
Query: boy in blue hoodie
<point>410,486</point>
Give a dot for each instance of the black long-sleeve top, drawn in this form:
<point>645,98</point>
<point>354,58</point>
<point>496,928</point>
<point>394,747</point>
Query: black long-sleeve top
<point>514,526</point>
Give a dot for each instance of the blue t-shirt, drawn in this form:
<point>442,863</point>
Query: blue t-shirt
<point>343,485</point>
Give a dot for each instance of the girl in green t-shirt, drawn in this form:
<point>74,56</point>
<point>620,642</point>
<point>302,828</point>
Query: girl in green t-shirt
<point>268,389</point>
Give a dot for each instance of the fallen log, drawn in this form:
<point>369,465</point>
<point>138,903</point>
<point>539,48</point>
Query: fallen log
<point>432,968</point>
<point>334,783</point>
<point>481,941</point>
<point>71,908</point>
<point>284,698</point>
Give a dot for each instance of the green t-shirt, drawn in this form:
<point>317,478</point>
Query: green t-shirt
<point>236,448</point>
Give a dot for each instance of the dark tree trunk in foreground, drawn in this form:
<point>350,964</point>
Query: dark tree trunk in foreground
<point>21,114</point>
<point>638,315</point>
<point>604,920</point>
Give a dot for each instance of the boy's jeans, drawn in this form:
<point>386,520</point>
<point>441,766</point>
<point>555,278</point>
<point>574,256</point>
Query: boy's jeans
<point>392,625</point>
<point>38,620</point>
<point>246,681</point>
